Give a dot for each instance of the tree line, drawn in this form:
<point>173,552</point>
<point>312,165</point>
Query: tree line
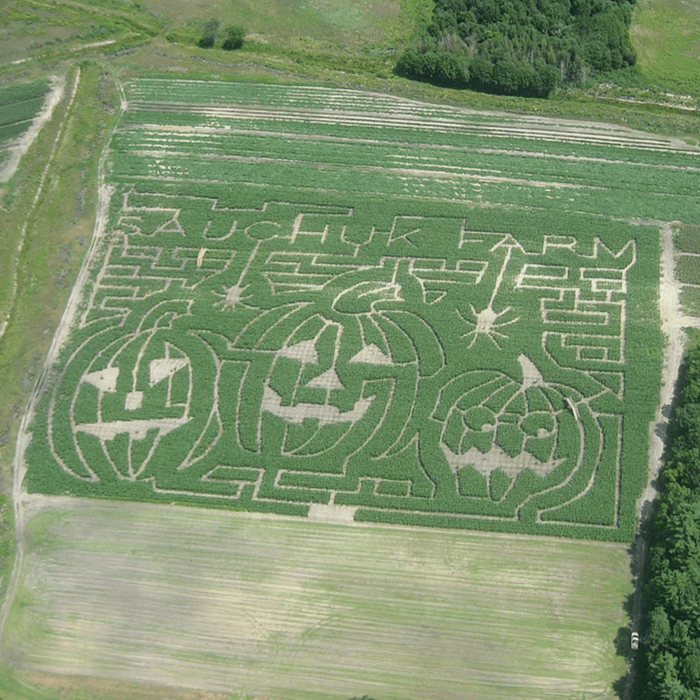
<point>672,629</point>
<point>233,35</point>
<point>520,47</point>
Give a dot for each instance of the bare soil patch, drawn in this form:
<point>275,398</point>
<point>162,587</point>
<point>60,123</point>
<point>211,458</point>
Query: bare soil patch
<point>673,323</point>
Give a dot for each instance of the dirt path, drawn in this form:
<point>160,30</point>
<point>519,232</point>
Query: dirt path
<point>32,208</point>
<point>673,323</point>
<point>19,497</point>
<point>18,468</point>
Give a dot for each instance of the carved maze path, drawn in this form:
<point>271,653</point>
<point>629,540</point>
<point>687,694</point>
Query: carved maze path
<point>346,306</point>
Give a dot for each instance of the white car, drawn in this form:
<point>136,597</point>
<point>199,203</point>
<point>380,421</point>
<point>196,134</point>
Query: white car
<point>634,641</point>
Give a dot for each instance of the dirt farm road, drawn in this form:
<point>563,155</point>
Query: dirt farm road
<point>673,323</point>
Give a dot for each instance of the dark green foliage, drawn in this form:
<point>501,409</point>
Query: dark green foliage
<point>11,131</point>
<point>209,34</point>
<point>518,47</point>
<point>437,67</point>
<point>687,238</point>
<point>235,35</point>
<point>688,269</point>
<point>393,488</point>
<point>510,439</point>
<point>597,506</point>
<point>500,482</point>
<point>672,638</point>
<point>20,111</point>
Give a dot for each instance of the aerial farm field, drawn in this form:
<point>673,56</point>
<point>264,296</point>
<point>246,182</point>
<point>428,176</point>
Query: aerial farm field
<point>665,37</point>
<point>271,607</point>
<point>300,305</point>
<point>352,319</point>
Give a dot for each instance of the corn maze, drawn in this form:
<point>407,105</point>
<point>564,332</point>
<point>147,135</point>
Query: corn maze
<point>348,307</point>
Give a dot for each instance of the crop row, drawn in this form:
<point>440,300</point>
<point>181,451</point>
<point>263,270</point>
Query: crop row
<point>11,131</point>
<point>476,187</point>
<point>22,92</point>
<point>397,128</point>
<point>197,94</point>
<point>20,111</point>
<point>190,92</point>
<point>19,104</point>
<point>607,174</point>
<point>464,134</point>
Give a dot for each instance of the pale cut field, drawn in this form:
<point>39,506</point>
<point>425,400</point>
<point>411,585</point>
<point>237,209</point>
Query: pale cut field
<point>272,607</point>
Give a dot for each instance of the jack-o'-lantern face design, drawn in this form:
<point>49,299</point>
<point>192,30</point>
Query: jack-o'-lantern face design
<point>323,367</point>
<point>139,398</point>
<point>495,422</point>
<point>289,355</point>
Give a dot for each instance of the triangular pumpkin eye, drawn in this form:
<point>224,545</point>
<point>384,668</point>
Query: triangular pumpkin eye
<point>164,367</point>
<point>172,225</point>
<point>304,352</point>
<point>103,379</point>
<point>328,380</point>
<point>371,355</point>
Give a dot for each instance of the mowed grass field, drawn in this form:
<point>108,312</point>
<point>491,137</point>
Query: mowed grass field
<point>328,31</point>
<point>356,24</point>
<point>666,38</point>
<point>270,607</point>
<point>32,34</point>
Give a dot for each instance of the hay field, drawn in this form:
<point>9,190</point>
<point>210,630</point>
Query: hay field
<point>665,36</point>
<point>272,607</point>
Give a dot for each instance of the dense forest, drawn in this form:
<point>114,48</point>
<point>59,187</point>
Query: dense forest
<point>520,47</point>
<point>672,636</point>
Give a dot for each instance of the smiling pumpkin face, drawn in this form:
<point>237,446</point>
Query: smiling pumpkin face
<point>493,421</point>
<point>138,402</point>
<point>312,387</point>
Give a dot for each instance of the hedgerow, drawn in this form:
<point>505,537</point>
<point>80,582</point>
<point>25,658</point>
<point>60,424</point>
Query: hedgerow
<point>671,635</point>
